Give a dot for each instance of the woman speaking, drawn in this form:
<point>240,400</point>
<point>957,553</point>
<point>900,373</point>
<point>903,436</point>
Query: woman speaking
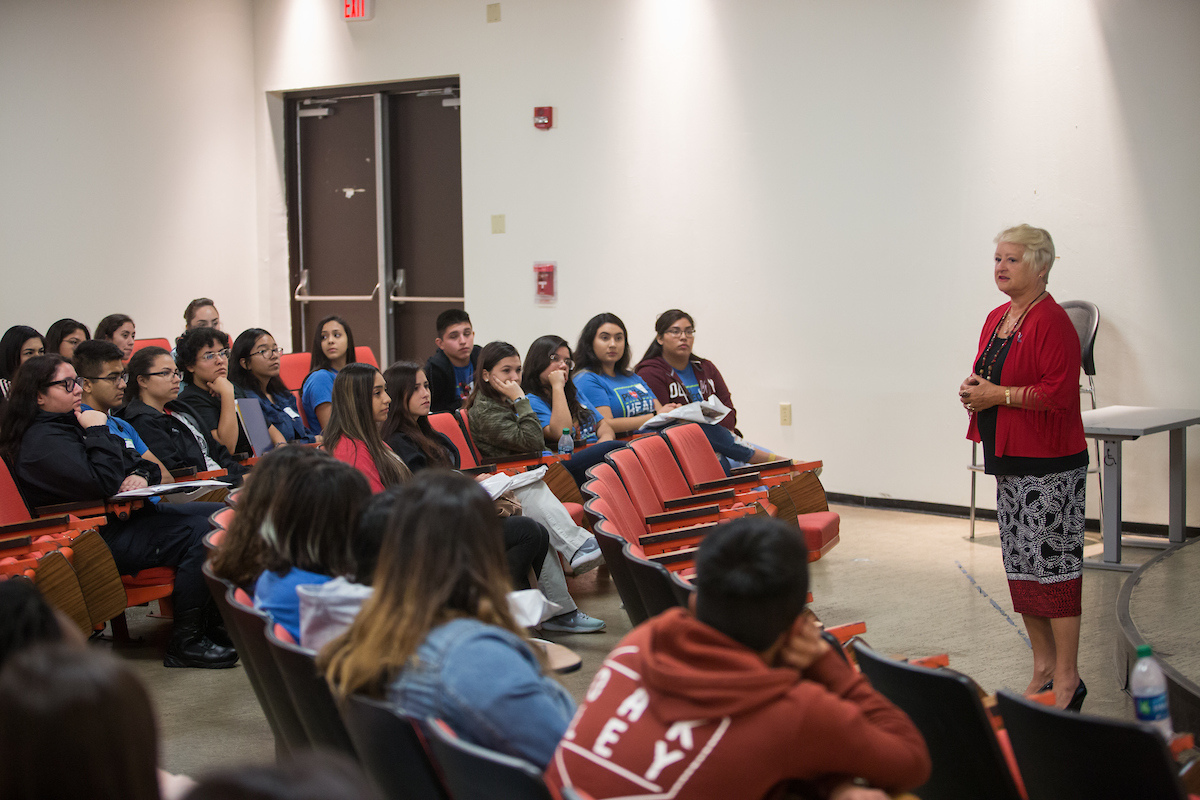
<point>1023,397</point>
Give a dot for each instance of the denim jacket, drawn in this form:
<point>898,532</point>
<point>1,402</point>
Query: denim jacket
<point>484,682</point>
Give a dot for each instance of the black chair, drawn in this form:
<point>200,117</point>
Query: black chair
<point>1085,317</point>
<point>310,695</point>
<point>285,725</point>
<point>945,707</point>
<point>1067,756</point>
<point>476,773</point>
<point>659,588</point>
<point>392,750</point>
<point>618,568</point>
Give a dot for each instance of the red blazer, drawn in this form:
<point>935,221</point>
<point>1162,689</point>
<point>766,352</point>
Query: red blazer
<point>1045,358</point>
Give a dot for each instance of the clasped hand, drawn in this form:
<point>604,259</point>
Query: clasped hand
<point>978,393</point>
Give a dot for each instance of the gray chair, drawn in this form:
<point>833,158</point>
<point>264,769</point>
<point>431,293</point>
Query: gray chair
<point>1085,317</point>
<point>390,746</point>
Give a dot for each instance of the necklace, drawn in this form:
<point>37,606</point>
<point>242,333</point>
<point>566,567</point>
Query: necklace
<point>994,352</point>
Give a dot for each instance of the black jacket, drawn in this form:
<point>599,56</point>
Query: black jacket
<point>440,373</point>
<point>414,457</point>
<point>208,412</point>
<point>172,442</point>
<point>60,462</point>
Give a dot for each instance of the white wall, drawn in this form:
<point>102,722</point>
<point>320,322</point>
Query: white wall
<point>818,182</point>
<point>127,162</point>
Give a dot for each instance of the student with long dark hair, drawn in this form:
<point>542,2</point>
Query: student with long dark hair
<point>254,368</point>
<point>203,355</point>
<point>408,432</point>
<point>360,405</point>
<point>19,344</point>
<point>171,428</point>
<point>65,335</point>
<point>332,349</point>
<point>308,532</point>
<point>437,637</point>
<point>61,454</point>
<point>120,330</point>
<point>602,375</point>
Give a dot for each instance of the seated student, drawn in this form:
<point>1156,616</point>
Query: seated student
<point>360,405</point>
<point>677,375</point>
<point>308,531</point>
<point>203,355</point>
<point>64,336</point>
<point>602,375</point>
<point>200,313</point>
<point>552,396</point>
<point>61,454</point>
<point>241,558</point>
<point>739,695</point>
<point>120,330</point>
<point>254,368</point>
<point>19,344</point>
<point>408,432</point>
<point>437,638</point>
<point>171,428</point>
<point>451,370</point>
<point>332,349</point>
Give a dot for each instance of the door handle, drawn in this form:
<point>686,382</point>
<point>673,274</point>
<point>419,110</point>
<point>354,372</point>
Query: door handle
<point>397,294</point>
<point>302,296</point>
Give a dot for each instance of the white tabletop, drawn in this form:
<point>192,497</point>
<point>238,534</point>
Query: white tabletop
<point>1130,422</point>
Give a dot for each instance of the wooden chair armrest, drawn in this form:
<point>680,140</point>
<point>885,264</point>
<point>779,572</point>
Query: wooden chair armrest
<point>91,508</point>
<point>15,542</point>
<point>44,524</point>
<point>767,468</point>
<point>750,479</point>
<point>483,469</point>
<point>683,515</point>
<point>212,474</point>
<point>666,537</point>
<point>183,472</point>
<point>703,498</point>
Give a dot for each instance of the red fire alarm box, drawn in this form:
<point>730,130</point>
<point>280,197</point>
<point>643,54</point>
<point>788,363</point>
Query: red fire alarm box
<point>543,117</point>
<point>545,285</point>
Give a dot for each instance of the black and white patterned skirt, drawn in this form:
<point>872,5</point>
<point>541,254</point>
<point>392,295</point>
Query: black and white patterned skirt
<point>1041,534</point>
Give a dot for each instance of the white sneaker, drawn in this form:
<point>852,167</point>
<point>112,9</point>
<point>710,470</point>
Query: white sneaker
<point>587,557</point>
<point>573,622</point>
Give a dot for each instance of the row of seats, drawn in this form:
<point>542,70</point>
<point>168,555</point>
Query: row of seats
<point>406,758</point>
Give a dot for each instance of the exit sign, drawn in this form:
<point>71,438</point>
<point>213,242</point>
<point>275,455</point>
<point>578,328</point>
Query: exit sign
<point>358,10</point>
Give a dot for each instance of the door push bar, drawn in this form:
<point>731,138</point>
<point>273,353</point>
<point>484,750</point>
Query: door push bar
<point>302,295</point>
<point>397,294</point>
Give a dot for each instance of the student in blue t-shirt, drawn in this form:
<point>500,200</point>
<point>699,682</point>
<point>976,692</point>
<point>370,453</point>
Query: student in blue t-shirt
<point>553,397</point>
<point>451,370</point>
<point>332,349</point>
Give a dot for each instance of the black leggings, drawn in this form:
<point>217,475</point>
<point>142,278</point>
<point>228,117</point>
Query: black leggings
<point>525,545</point>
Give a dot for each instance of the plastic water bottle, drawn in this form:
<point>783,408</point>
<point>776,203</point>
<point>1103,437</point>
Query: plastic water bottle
<point>1149,689</point>
<point>566,445</point>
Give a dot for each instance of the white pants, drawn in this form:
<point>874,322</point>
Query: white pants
<point>553,583</point>
<point>540,505</point>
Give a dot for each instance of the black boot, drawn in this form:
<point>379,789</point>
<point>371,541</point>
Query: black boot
<point>214,626</point>
<point>190,647</point>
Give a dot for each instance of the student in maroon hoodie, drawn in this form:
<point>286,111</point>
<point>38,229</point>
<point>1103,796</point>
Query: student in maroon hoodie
<point>739,698</point>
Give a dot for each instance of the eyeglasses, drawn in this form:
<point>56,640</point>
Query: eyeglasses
<point>680,333</point>
<point>268,352</point>
<point>210,356</point>
<point>168,374</point>
<point>122,378</point>
<point>68,384</point>
<point>555,359</point>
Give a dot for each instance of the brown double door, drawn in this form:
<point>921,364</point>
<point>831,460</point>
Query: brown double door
<point>375,214</point>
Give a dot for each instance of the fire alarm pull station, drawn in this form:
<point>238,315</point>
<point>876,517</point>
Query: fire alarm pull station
<point>545,289</point>
<point>543,117</point>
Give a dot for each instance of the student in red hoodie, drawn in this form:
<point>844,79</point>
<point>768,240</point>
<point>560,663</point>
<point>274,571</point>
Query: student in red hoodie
<point>739,698</point>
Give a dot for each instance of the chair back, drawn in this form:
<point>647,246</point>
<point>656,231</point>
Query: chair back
<point>967,761</point>
<point>1068,756</point>
<point>618,567</point>
<point>695,455</point>
<point>12,505</point>
<point>603,482</point>
<point>476,773</point>
<point>310,695</point>
<point>653,581</point>
<point>637,482</point>
<point>247,629</point>
<point>364,355</point>
<point>447,425</point>
<point>392,750</point>
<point>465,422</point>
<point>255,424</point>
<point>661,467</point>
<point>138,344</point>
<point>221,519</point>
<point>294,368</point>
<point>1085,317</point>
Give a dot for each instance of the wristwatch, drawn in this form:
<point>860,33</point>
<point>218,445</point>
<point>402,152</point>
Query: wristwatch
<point>142,473</point>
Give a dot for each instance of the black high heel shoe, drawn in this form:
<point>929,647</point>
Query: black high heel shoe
<point>1077,698</point>
<point>1047,686</point>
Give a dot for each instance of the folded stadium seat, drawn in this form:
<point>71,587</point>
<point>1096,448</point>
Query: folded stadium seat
<point>650,505</point>
<point>472,772</point>
<point>703,469</point>
<point>392,749</point>
<point>364,355</point>
<point>310,693</point>
<point>611,544</point>
<point>293,369</point>
<point>138,344</point>
<point>670,484</point>
<point>57,582</point>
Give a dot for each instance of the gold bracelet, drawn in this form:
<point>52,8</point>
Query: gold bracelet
<point>1007,397</point>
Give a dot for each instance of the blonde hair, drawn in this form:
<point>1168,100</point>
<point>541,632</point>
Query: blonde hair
<point>1039,247</point>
